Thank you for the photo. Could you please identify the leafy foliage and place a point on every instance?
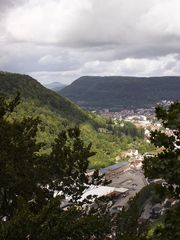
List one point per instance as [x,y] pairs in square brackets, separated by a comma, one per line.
[32,187]
[128,225]
[170,228]
[166,164]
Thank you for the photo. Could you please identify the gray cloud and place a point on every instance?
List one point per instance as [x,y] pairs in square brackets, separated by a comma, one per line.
[6,5]
[64,39]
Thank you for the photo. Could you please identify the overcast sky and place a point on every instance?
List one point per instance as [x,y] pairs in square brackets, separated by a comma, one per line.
[61,40]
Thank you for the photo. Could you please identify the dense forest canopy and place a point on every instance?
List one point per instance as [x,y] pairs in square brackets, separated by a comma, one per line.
[31,89]
[117,93]
[57,113]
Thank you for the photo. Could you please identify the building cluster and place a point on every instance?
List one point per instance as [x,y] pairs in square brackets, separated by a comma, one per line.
[127,179]
[127,176]
[125,113]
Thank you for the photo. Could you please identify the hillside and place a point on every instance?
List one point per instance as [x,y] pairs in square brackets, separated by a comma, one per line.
[30,88]
[58,113]
[122,92]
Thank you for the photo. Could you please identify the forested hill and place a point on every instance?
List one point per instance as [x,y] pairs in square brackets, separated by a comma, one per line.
[58,113]
[122,92]
[30,88]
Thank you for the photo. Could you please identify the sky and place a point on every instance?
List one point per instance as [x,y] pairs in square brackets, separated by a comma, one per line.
[61,40]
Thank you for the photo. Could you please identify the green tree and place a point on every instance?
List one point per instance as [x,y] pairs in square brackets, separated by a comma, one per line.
[128,225]
[170,229]
[32,187]
[166,164]
[19,166]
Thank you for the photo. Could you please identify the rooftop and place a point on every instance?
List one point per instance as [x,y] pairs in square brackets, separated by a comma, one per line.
[113,167]
[102,191]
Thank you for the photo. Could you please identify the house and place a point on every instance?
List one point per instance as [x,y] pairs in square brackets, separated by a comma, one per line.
[130,153]
[114,170]
[136,164]
[117,158]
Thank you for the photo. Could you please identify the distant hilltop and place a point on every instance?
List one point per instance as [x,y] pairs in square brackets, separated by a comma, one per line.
[55,86]
[118,92]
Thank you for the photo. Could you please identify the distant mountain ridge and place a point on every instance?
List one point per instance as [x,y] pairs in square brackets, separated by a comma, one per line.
[55,86]
[116,92]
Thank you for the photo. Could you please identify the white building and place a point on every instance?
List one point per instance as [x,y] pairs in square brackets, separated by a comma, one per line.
[99,191]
